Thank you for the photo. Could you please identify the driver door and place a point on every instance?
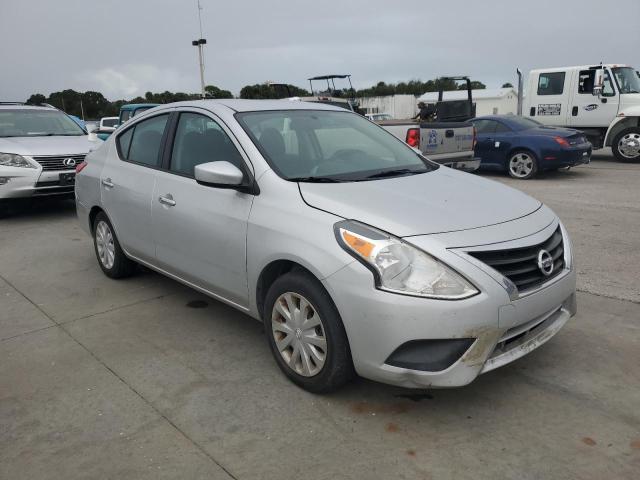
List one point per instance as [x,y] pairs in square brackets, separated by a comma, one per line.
[589,110]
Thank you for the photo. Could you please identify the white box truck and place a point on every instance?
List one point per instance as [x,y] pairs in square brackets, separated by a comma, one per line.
[603,101]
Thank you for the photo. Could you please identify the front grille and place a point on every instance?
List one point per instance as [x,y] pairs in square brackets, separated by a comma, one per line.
[57,162]
[520,265]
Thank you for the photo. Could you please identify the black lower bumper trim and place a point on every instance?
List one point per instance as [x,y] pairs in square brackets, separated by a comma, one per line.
[429,355]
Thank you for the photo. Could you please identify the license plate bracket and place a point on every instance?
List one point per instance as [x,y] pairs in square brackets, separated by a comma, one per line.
[66,179]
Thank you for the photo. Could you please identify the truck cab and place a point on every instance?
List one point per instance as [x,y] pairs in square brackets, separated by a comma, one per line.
[603,101]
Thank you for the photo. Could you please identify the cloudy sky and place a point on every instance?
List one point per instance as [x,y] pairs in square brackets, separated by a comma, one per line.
[127,47]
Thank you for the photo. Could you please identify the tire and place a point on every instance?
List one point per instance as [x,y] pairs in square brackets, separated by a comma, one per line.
[626,145]
[323,344]
[112,260]
[522,165]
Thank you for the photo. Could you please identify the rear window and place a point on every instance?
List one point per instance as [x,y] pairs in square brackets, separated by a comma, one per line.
[521,123]
[141,143]
[551,83]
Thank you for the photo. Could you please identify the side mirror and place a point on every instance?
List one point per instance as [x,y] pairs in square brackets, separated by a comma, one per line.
[219,174]
[598,82]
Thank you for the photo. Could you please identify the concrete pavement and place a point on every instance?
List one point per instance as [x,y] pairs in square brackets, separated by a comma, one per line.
[126,379]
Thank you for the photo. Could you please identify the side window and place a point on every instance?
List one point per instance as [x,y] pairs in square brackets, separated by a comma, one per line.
[586,81]
[124,142]
[146,141]
[199,139]
[551,83]
[126,115]
[501,128]
[485,126]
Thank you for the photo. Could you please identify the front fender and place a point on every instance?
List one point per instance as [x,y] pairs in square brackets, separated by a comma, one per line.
[628,117]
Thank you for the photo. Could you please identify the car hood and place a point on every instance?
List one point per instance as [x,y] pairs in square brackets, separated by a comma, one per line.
[41,146]
[443,200]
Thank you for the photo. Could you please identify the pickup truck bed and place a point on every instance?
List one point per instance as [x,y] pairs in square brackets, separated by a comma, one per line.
[447,143]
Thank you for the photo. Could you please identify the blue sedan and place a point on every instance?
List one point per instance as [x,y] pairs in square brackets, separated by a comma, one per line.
[524,147]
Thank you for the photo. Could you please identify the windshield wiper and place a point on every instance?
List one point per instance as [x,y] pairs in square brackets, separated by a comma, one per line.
[398,172]
[315,179]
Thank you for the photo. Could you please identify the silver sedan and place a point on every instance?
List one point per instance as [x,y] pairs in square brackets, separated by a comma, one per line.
[358,254]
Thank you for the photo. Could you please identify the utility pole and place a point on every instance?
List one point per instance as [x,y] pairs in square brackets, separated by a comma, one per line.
[200,44]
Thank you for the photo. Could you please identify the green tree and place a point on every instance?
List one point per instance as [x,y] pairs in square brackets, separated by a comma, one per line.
[268,91]
[507,85]
[475,85]
[211,91]
[36,99]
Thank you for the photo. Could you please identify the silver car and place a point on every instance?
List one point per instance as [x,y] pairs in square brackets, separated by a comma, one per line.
[358,254]
[40,147]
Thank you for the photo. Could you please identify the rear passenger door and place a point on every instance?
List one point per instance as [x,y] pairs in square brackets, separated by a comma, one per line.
[200,231]
[127,182]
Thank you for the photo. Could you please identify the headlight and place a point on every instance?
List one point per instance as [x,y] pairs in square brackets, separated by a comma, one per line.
[399,267]
[13,160]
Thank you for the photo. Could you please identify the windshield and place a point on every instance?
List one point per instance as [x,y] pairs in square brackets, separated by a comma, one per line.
[37,123]
[521,123]
[316,145]
[627,79]
[110,122]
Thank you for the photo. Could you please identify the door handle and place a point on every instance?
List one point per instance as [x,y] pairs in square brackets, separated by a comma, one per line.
[167,200]
[574,111]
[449,133]
[107,183]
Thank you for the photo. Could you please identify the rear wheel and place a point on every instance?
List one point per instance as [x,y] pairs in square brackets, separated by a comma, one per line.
[522,165]
[113,262]
[626,145]
[306,334]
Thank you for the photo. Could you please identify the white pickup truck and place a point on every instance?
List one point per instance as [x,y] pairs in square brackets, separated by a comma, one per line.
[602,101]
[449,140]
[451,144]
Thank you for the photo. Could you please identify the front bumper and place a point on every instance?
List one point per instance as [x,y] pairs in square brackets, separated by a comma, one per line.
[18,182]
[503,326]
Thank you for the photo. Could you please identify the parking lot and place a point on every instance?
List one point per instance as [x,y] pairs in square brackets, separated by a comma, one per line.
[145,378]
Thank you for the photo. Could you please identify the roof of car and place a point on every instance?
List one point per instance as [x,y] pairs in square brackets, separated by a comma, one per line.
[259,105]
[135,106]
[493,117]
[18,105]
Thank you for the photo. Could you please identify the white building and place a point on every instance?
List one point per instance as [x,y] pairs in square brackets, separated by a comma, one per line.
[489,101]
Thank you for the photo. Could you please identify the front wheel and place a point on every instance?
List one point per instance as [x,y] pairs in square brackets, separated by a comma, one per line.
[626,145]
[306,334]
[522,165]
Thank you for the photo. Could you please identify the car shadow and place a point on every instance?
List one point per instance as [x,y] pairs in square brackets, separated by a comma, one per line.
[36,208]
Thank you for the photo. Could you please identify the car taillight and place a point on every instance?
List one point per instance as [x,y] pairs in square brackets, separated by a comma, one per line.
[475,138]
[413,137]
[561,141]
[80,166]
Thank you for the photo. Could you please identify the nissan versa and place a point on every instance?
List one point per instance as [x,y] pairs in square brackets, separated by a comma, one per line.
[358,254]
